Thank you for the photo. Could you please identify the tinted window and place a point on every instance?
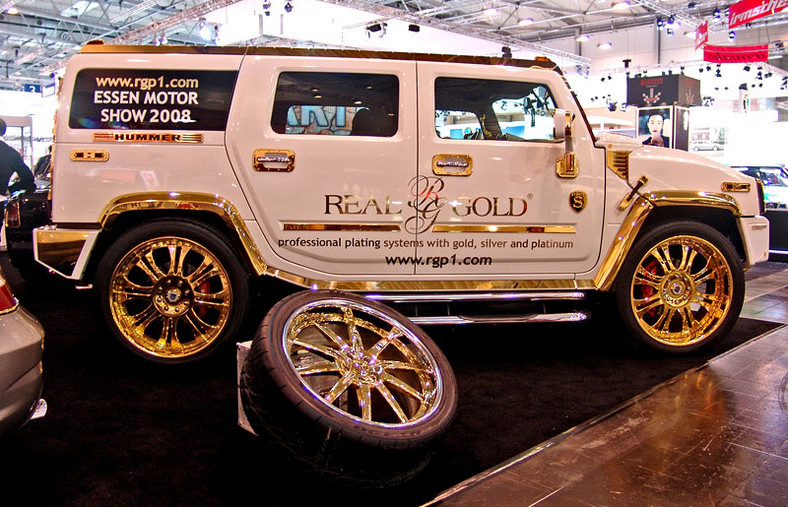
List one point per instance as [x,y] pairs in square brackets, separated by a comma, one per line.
[145,99]
[333,103]
[490,109]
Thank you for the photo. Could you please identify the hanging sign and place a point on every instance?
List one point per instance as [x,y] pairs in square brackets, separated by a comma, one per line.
[702,34]
[747,11]
[736,54]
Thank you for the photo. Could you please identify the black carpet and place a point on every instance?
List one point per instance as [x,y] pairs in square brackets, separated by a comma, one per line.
[122,432]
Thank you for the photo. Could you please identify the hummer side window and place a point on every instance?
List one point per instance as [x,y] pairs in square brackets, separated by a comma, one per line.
[491,109]
[336,103]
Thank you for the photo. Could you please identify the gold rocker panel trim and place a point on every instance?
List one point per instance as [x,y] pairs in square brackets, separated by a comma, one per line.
[190,201]
[637,216]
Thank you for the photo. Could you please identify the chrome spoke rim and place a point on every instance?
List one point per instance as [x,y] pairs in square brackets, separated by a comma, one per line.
[362,363]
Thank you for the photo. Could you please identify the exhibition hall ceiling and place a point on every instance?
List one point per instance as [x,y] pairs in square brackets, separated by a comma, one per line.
[38,36]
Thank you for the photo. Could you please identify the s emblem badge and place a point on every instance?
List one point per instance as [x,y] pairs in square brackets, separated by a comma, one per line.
[578,200]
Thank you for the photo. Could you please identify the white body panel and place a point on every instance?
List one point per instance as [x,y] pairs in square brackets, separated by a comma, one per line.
[348,206]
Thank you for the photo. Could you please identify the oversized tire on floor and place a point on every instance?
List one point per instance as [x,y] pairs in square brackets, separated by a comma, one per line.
[681,288]
[348,387]
[172,291]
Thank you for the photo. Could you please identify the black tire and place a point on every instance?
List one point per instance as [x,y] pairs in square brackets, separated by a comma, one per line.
[172,312]
[681,288]
[337,438]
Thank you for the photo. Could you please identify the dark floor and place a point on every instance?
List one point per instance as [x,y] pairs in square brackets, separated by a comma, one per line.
[119,432]
[715,435]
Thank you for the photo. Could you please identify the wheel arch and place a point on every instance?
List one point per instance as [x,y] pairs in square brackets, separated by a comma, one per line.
[718,211]
[128,211]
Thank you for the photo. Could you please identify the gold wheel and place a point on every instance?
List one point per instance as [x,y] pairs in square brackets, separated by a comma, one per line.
[682,290]
[362,363]
[170,297]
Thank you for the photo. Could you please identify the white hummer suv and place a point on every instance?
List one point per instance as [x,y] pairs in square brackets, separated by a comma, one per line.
[183,175]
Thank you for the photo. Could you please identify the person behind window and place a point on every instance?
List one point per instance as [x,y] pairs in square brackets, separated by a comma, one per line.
[655,138]
[11,162]
[42,165]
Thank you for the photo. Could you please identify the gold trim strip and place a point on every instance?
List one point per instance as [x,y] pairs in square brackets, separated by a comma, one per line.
[146,137]
[292,226]
[435,286]
[192,201]
[533,229]
[89,155]
[735,186]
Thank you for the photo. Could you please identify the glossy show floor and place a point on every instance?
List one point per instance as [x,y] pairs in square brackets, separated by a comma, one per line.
[715,435]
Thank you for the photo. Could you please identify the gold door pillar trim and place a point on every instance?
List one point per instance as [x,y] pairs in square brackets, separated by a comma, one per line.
[187,201]
[637,216]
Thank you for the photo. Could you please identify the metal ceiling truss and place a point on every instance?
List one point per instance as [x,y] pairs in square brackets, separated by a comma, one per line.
[40,35]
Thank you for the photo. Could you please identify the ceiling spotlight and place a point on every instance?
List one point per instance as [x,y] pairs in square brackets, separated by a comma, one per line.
[731,35]
[525,21]
[583,37]
[288,7]
[746,68]
[717,14]
[267,8]
[660,23]
[605,45]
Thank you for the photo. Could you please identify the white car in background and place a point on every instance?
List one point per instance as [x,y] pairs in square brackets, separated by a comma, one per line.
[21,350]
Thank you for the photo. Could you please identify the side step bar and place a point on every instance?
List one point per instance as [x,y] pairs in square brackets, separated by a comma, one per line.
[525,315]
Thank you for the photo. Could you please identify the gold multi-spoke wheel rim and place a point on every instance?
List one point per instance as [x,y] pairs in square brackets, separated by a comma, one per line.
[681,291]
[362,363]
[170,297]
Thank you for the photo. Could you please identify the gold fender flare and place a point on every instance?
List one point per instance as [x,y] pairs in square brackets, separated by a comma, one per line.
[636,217]
[187,201]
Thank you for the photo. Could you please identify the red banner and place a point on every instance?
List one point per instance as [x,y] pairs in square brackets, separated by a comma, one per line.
[702,34]
[749,10]
[736,54]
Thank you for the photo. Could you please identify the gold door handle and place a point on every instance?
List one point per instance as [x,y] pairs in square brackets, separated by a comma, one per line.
[273,160]
[452,165]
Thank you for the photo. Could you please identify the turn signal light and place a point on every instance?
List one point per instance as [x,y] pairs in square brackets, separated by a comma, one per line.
[7,299]
[12,218]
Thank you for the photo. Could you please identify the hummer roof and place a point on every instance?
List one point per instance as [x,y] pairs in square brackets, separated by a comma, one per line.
[100,47]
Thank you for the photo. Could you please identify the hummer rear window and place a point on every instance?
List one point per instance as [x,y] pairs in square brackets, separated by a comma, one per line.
[148,99]
[336,103]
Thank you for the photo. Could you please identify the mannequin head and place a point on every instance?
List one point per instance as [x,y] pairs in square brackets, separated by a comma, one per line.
[655,122]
